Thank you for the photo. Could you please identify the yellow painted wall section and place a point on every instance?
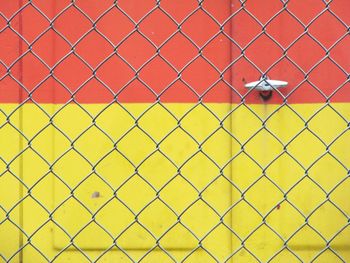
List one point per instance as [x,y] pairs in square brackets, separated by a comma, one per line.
[10,182]
[215,174]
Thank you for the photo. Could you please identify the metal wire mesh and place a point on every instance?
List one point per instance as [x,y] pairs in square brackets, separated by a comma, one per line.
[55,53]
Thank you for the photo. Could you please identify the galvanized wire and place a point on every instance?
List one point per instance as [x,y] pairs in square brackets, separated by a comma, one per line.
[27,142]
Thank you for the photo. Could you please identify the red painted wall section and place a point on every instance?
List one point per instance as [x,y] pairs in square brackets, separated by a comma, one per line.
[112,59]
[316,61]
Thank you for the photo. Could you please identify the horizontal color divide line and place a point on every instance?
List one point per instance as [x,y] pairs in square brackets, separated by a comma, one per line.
[8,95]
[50,91]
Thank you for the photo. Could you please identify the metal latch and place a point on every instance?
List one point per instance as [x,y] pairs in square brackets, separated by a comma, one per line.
[266,86]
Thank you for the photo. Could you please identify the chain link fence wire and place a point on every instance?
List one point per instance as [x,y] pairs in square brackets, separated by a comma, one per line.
[128,135]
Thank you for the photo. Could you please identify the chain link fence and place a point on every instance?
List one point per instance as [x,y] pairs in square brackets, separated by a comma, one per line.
[128,134]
